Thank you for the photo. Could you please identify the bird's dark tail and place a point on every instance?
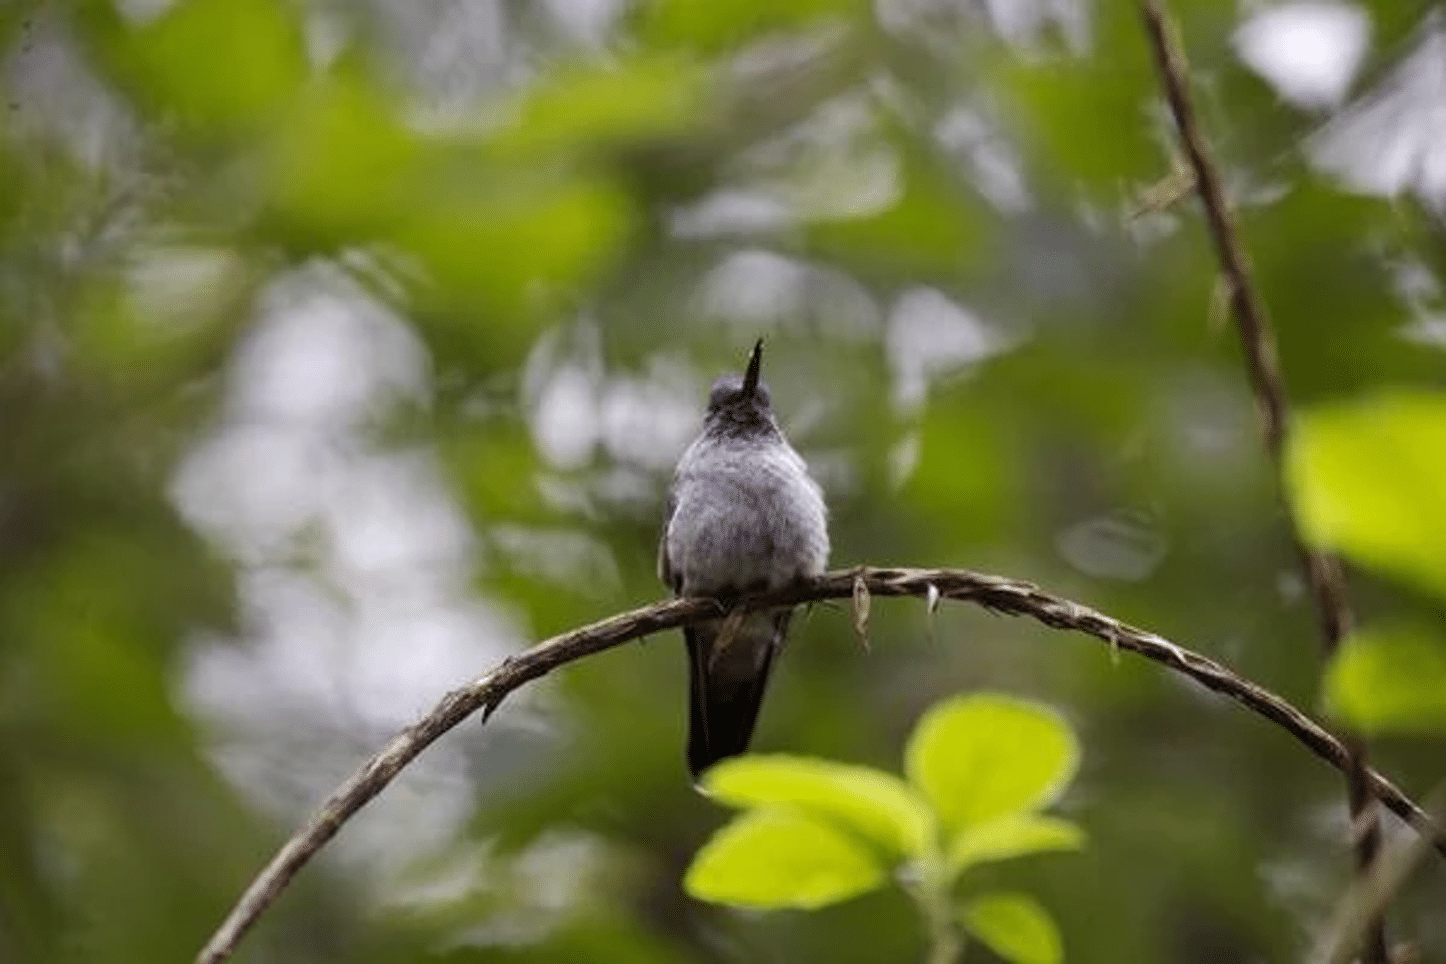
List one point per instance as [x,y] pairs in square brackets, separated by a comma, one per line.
[726,681]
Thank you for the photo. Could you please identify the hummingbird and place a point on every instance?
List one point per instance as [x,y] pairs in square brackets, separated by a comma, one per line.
[743,516]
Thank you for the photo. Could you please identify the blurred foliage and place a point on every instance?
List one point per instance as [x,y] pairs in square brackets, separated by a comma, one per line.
[546,227]
[1390,679]
[1366,479]
[1369,481]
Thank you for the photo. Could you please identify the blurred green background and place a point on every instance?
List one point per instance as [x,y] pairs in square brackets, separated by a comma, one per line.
[347,345]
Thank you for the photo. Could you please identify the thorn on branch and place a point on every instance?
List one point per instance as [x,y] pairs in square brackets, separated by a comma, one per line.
[862,605]
[931,608]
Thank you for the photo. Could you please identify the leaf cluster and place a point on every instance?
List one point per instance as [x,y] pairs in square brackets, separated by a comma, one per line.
[813,832]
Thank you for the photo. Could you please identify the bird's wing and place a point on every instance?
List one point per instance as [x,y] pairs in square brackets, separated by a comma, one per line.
[670,579]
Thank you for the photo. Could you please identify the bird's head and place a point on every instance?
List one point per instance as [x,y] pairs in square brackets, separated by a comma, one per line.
[742,403]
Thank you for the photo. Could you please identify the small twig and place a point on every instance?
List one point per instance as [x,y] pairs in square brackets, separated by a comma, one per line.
[1327,581]
[936,906]
[1255,331]
[1163,194]
[1370,894]
[995,593]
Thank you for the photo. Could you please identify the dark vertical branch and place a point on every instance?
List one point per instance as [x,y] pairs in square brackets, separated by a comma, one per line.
[1257,338]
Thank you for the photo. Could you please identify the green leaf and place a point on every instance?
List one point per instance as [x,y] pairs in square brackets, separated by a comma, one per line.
[721,25]
[863,800]
[342,165]
[221,63]
[1090,116]
[986,756]
[638,100]
[1012,837]
[775,859]
[1015,927]
[518,247]
[931,228]
[1369,479]
[1390,679]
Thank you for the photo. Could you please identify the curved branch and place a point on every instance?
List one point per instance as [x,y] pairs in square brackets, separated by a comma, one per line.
[1323,571]
[996,593]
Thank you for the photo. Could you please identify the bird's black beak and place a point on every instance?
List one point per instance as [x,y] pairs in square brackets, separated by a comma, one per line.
[755,361]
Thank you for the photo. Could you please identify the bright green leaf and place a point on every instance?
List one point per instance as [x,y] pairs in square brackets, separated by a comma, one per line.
[723,24]
[981,757]
[640,99]
[775,859]
[1390,679]
[220,63]
[1015,927]
[342,164]
[1012,836]
[521,248]
[866,801]
[1369,479]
